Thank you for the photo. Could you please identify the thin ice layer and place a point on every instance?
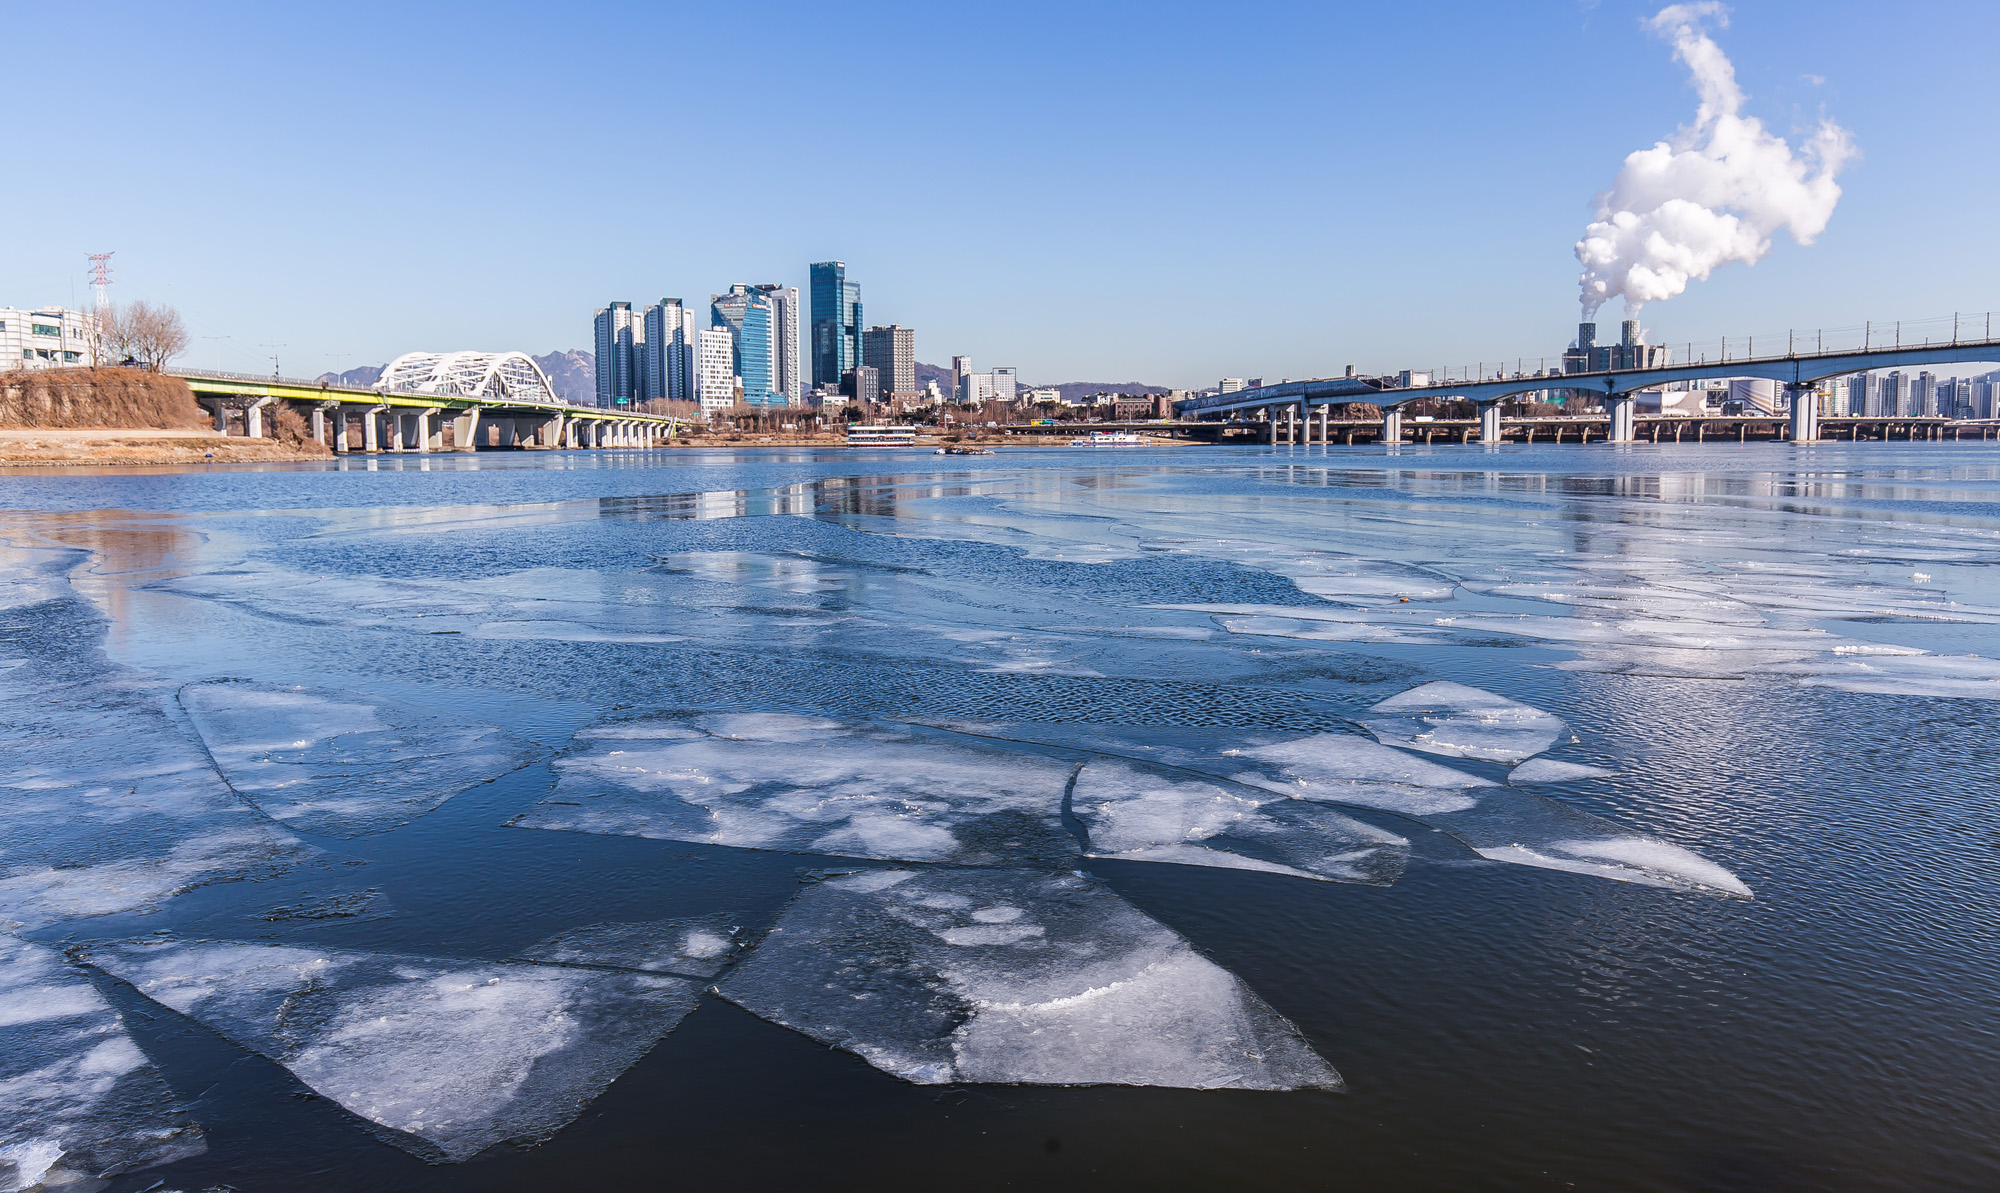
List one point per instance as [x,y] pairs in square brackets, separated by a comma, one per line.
[698,947]
[451,1057]
[812,785]
[1141,813]
[339,764]
[1014,977]
[78,1100]
[1548,770]
[105,804]
[1463,722]
[1499,822]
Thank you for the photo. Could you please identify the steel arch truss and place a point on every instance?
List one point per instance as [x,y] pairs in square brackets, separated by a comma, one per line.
[509,376]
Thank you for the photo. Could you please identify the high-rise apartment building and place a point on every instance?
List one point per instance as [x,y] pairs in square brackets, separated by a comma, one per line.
[1924,394]
[836,322]
[618,334]
[785,375]
[746,313]
[715,369]
[1895,395]
[669,352]
[892,352]
[961,368]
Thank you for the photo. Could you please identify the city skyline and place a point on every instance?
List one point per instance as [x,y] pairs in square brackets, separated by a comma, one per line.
[1411,226]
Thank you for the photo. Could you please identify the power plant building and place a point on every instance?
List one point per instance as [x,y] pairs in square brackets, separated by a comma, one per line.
[1630,352]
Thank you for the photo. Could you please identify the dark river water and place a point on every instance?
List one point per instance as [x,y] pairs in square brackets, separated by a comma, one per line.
[1066,818]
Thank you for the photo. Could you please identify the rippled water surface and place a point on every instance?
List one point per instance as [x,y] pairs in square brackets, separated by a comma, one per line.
[1112,818]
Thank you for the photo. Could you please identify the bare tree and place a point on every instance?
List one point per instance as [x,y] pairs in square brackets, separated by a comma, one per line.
[154,335]
[111,341]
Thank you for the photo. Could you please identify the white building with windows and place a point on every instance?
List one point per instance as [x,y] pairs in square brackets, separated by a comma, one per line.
[46,339]
[715,370]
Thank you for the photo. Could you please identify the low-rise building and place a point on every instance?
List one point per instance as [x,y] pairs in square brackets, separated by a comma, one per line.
[49,338]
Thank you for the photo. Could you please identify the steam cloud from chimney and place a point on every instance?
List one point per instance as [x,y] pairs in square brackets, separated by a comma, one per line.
[1714,194]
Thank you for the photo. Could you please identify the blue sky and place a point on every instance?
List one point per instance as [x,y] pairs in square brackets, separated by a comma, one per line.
[1164,192]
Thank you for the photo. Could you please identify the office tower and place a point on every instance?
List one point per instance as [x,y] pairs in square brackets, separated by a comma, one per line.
[961,368]
[715,369]
[1924,394]
[836,323]
[785,376]
[669,370]
[1003,383]
[1895,395]
[892,352]
[617,371]
[746,313]
[863,385]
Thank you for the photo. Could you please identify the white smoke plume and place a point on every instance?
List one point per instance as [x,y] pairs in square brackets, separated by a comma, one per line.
[1713,194]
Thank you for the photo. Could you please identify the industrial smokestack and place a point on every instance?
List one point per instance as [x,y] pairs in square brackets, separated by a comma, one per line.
[1628,335]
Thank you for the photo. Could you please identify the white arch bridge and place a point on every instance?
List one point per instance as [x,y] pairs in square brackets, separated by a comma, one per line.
[1798,372]
[431,401]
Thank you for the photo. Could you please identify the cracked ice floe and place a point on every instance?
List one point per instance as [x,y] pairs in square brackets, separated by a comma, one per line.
[812,785]
[697,947]
[1463,722]
[1548,770]
[78,1100]
[1499,822]
[1139,813]
[1011,977]
[339,764]
[107,805]
[450,1056]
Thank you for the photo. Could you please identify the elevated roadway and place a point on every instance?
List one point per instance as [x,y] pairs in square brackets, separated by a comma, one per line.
[1798,372]
[357,419]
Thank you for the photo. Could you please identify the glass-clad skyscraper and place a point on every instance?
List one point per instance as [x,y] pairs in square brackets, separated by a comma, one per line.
[747,315]
[836,322]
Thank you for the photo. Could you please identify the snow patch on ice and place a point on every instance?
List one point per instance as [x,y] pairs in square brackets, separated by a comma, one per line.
[1548,770]
[696,947]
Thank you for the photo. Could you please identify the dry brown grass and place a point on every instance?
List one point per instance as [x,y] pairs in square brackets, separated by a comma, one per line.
[97,398]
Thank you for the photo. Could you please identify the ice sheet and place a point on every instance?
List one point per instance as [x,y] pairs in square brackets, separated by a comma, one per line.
[78,1099]
[1548,770]
[1014,977]
[105,803]
[697,947]
[1140,813]
[812,785]
[1499,822]
[339,764]
[1463,722]
[451,1057]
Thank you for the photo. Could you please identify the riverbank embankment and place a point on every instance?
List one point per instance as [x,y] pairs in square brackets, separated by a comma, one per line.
[128,416]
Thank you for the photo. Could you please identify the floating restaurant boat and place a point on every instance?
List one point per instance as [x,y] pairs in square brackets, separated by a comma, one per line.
[1110,439]
[883,436]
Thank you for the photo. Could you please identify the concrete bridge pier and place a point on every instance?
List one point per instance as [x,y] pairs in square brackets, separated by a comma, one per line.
[319,423]
[371,429]
[1489,422]
[1805,412]
[1325,425]
[1291,426]
[341,443]
[253,418]
[465,429]
[1623,423]
[1392,425]
[433,424]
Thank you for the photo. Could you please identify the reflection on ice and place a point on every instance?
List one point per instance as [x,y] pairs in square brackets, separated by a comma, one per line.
[1014,977]
[78,1100]
[694,947]
[1139,813]
[451,1056]
[811,785]
[1461,722]
[339,764]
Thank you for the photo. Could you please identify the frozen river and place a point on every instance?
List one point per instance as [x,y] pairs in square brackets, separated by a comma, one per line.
[1113,818]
